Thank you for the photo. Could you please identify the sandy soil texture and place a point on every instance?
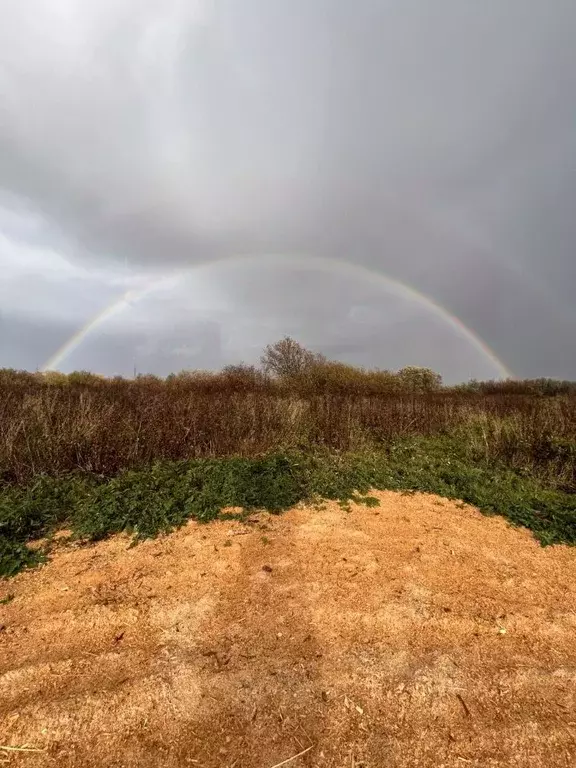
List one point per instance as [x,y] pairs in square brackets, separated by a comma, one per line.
[417,634]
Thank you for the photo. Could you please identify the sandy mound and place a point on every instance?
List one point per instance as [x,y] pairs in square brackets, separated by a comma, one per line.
[419,633]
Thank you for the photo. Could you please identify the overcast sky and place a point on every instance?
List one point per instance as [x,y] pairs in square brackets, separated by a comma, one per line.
[225,173]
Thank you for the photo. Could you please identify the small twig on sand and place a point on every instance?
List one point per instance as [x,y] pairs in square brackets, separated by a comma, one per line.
[285,762]
[22,749]
[464,705]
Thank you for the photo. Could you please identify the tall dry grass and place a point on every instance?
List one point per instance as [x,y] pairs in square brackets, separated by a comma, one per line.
[58,424]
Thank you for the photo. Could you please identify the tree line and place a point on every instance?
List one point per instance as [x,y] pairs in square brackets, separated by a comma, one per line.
[287,365]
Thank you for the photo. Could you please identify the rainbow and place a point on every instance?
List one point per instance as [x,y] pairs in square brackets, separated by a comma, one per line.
[307,263]
[124,302]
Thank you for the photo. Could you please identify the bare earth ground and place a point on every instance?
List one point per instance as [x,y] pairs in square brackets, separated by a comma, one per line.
[419,633]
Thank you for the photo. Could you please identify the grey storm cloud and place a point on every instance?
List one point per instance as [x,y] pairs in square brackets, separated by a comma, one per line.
[431,142]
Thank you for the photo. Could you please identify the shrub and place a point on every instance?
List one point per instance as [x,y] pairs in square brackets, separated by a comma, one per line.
[165,495]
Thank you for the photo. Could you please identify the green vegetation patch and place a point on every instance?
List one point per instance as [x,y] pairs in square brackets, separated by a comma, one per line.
[165,495]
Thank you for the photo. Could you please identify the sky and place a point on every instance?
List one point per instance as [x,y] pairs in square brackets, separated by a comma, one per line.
[391,183]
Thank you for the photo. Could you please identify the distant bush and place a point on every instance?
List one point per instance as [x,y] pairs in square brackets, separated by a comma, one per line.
[244,378]
[11,378]
[419,380]
[532,387]
[54,378]
[86,379]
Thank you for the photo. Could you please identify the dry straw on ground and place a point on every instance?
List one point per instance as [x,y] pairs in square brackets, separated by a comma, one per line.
[372,638]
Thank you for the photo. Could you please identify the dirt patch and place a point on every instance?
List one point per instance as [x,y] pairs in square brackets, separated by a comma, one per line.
[419,633]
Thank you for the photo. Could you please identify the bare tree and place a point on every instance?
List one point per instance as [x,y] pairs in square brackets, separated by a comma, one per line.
[287,358]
